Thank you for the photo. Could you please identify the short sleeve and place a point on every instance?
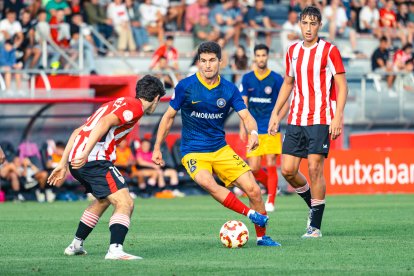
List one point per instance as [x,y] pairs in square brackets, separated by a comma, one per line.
[243,87]
[237,101]
[335,61]
[178,97]
[128,110]
[289,67]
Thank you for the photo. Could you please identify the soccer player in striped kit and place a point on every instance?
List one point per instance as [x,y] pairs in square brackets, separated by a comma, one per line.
[90,153]
[315,73]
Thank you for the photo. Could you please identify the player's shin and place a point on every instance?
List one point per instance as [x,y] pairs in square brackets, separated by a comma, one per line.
[318,207]
[119,225]
[305,193]
[87,222]
[260,231]
[272,184]
[233,203]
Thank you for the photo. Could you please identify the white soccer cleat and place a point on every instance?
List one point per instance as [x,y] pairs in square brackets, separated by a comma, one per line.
[116,252]
[270,207]
[312,233]
[72,250]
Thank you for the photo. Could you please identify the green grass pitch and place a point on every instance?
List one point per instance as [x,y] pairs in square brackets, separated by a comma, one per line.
[363,235]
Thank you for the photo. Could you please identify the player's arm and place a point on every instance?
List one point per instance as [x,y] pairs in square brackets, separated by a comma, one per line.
[335,129]
[243,132]
[59,173]
[281,107]
[163,130]
[101,128]
[251,126]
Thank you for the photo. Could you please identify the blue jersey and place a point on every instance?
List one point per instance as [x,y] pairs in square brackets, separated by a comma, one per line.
[204,109]
[262,92]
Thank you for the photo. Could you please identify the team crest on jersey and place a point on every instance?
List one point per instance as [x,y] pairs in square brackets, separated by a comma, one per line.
[127,114]
[268,90]
[221,102]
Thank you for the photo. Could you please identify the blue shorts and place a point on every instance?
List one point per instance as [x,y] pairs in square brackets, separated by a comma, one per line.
[101,178]
[300,141]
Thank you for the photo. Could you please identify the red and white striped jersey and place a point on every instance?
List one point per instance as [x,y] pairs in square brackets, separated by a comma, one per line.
[128,110]
[314,95]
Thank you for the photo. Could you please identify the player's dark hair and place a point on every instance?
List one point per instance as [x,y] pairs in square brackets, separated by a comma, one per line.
[261,47]
[312,12]
[148,88]
[209,47]
[407,46]
[383,39]
[169,37]
[60,144]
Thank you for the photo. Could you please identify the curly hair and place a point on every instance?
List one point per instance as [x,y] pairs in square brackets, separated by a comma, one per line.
[312,12]
[148,88]
[209,47]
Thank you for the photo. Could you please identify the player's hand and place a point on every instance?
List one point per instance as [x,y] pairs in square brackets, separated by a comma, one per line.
[79,162]
[253,142]
[57,176]
[274,123]
[335,129]
[157,157]
[2,156]
[243,134]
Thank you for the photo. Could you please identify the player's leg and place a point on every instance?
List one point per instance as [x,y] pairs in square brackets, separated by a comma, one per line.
[119,224]
[257,170]
[272,182]
[247,183]
[87,223]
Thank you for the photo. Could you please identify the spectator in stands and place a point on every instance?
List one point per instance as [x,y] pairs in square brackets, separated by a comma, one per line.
[170,12]
[12,5]
[144,160]
[11,29]
[34,8]
[29,46]
[401,57]
[2,156]
[117,12]
[226,21]
[96,16]
[299,5]
[140,33]
[10,172]
[193,14]
[9,62]
[88,49]
[388,23]
[43,33]
[54,5]
[258,18]
[168,51]
[369,19]
[166,75]
[380,62]
[152,19]
[60,33]
[291,32]
[402,22]
[411,15]
[335,21]
[225,67]
[239,62]
[204,31]
[408,79]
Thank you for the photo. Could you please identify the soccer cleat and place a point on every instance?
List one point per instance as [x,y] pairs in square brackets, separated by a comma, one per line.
[267,241]
[116,252]
[270,207]
[72,250]
[312,232]
[258,219]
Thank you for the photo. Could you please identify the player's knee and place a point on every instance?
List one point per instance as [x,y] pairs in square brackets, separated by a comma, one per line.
[288,173]
[255,169]
[253,192]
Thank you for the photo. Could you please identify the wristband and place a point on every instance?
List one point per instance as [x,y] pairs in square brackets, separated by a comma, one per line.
[254,132]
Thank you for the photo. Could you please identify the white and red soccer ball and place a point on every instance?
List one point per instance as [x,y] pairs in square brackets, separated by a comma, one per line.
[234,234]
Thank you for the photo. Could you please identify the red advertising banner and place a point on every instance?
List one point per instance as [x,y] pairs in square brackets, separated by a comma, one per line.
[368,171]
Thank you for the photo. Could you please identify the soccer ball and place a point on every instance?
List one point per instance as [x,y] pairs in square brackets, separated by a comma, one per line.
[234,234]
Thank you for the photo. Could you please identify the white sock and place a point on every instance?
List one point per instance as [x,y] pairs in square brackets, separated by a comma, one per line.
[116,247]
[251,211]
[259,238]
[77,242]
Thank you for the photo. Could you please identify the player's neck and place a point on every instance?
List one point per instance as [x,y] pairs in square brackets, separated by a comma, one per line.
[309,44]
[261,71]
[145,104]
[211,81]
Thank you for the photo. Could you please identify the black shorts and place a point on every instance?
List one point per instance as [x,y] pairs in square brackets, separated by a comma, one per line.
[300,141]
[101,178]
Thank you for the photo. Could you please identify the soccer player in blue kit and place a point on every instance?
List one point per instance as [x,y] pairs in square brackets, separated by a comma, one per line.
[260,89]
[205,100]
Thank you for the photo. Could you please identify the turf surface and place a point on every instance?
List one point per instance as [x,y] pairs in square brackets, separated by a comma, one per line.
[363,235]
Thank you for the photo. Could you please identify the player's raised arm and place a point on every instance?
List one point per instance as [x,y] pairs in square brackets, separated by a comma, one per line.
[59,173]
[163,130]
[335,129]
[251,126]
[280,106]
[101,128]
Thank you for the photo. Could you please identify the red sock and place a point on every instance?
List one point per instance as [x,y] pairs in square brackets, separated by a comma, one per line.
[261,176]
[260,231]
[272,184]
[233,203]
